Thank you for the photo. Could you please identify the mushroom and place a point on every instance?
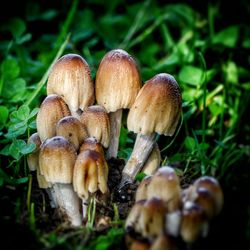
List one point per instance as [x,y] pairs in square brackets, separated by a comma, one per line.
[157,109]
[90,176]
[52,109]
[33,158]
[91,143]
[70,78]
[142,190]
[56,160]
[72,129]
[117,85]
[164,242]
[153,161]
[194,223]
[96,121]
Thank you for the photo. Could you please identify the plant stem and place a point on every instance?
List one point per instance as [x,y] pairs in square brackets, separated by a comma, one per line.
[29,193]
[115,128]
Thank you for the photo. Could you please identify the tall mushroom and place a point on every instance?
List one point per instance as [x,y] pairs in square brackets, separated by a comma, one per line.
[96,121]
[157,109]
[70,78]
[117,85]
[56,159]
[52,109]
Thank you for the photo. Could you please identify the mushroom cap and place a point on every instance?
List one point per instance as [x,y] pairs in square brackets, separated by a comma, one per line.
[153,161]
[42,183]
[70,78]
[90,174]
[56,160]
[194,224]
[157,107]
[142,190]
[96,120]
[91,143]
[52,109]
[165,185]
[118,81]
[72,129]
[164,242]
[33,158]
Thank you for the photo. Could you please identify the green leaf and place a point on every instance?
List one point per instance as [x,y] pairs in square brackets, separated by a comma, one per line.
[16,130]
[24,38]
[28,148]
[14,89]
[4,113]
[231,72]
[10,69]
[191,75]
[189,143]
[17,27]
[140,176]
[33,112]
[23,112]
[228,37]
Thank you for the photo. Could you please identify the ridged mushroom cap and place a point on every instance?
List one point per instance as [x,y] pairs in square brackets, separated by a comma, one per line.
[52,109]
[72,129]
[117,81]
[91,143]
[33,158]
[56,160]
[90,174]
[157,107]
[165,185]
[194,224]
[96,120]
[70,78]
[153,161]
[142,190]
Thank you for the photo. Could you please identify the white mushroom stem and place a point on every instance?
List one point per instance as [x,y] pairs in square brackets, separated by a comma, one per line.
[115,128]
[143,146]
[84,208]
[68,203]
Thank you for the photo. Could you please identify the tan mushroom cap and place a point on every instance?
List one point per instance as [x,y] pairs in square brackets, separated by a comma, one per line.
[96,120]
[164,242]
[142,190]
[72,129]
[157,107]
[33,158]
[70,78]
[153,161]
[52,109]
[42,183]
[117,81]
[56,160]
[165,185]
[91,143]
[90,174]
[138,245]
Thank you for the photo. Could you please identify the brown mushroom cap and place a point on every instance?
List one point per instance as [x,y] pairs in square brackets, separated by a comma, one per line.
[91,143]
[56,160]
[90,174]
[70,78]
[72,129]
[142,190]
[165,185]
[52,109]
[96,121]
[117,81]
[164,242]
[33,158]
[157,107]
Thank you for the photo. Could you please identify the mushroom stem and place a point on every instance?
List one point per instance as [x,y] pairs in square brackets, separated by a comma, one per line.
[143,146]
[115,128]
[68,203]
[84,208]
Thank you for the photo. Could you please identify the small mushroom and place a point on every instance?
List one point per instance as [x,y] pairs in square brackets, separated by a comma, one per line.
[70,78]
[91,143]
[33,158]
[90,176]
[142,190]
[72,129]
[157,109]
[117,85]
[96,121]
[56,160]
[52,109]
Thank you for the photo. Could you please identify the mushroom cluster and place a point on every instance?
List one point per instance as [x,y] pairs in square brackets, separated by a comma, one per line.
[164,214]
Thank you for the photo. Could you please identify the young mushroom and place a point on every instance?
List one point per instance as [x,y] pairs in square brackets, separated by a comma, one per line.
[70,78]
[96,121]
[56,160]
[90,176]
[52,109]
[157,109]
[91,143]
[117,85]
[72,129]
[33,158]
